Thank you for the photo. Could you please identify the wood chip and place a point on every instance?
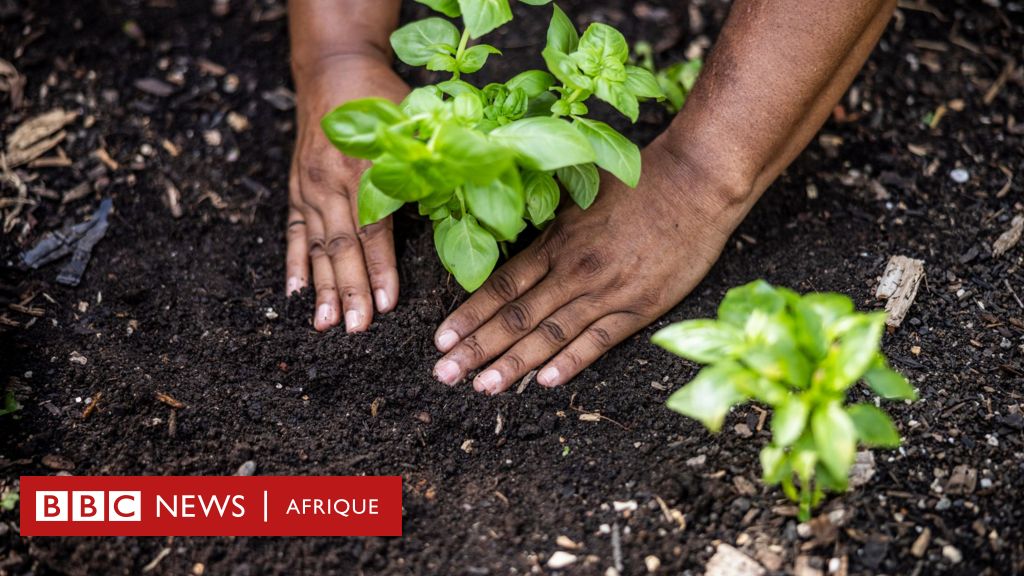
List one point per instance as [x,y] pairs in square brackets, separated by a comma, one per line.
[34,137]
[172,402]
[898,287]
[155,87]
[997,86]
[1010,238]
[920,545]
[102,155]
[172,198]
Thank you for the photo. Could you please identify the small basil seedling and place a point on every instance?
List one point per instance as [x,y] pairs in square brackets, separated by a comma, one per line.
[481,162]
[799,355]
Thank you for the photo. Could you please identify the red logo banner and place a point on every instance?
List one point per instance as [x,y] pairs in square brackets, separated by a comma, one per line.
[211,506]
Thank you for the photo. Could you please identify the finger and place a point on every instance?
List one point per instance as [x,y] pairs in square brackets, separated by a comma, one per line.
[595,340]
[379,249]
[550,336]
[506,284]
[327,305]
[297,254]
[512,321]
[346,255]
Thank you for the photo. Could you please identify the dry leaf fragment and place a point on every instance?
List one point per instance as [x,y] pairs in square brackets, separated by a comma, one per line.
[1010,238]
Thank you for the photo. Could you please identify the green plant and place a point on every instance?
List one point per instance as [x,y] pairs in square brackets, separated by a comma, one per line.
[480,162]
[799,355]
[676,81]
[10,404]
[9,499]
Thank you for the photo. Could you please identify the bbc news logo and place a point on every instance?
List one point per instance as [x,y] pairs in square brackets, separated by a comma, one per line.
[211,506]
[89,506]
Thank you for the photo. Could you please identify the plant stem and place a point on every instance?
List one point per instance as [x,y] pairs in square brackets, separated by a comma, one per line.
[462,200]
[575,94]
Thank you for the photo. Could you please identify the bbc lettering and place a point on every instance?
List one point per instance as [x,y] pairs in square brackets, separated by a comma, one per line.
[89,506]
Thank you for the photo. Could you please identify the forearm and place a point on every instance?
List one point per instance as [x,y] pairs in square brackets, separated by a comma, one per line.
[775,75]
[326,29]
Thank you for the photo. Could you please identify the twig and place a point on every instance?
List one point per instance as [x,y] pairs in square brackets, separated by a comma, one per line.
[1012,291]
[172,402]
[92,405]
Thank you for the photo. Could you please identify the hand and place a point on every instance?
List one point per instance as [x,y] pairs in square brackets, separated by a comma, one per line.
[323,224]
[593,278]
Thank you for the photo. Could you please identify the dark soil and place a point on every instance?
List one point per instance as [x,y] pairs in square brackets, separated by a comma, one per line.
[180,306]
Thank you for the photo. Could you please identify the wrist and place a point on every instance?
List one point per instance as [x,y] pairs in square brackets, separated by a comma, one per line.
[723,185]
[311,63]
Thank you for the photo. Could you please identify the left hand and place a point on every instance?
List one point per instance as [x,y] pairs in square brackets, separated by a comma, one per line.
[594,277]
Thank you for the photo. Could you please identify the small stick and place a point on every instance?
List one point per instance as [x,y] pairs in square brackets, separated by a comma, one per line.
[1012,291]
[92,405]
[172,402]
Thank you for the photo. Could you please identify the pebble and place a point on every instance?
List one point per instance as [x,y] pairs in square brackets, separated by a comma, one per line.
[697,461]
[77,358]
[653,563]
[271,314]
[561,559]
[248,468]
[959,175]
[943,504]
[952,553]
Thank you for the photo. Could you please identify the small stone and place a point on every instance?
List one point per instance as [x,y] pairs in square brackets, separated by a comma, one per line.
[728,561]
[986,483]
[212,137]
[623,506]
[198,568]
[566,542]
[271,314]
[959,175]
[231,83]
[238,122]
[697,461]
[952,553]
[248,468]
[425,417]
[920,545]
[561,559]
[943,504]
[653,563]
[467,446]
[743,430]
[57,462]
[77,358]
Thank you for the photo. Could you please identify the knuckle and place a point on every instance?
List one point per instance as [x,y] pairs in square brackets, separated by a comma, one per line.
[573,361]
[372,232]
[502,286]
[340,243]
[351,292]
[516,317]
[555,238]
[325,288]
[473,348]
[514,363]
[600,337]
[587,264]
[316,247]
[553,331]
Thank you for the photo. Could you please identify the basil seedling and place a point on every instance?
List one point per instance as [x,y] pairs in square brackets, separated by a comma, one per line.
[675,82]
[481,162]
[799,355]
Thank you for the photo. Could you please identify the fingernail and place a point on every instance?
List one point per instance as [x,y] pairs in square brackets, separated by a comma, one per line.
[489,381]
[323,314]
[383,302]
[353,320]
[447,371]
[548,376]
[294,285]
[446,340]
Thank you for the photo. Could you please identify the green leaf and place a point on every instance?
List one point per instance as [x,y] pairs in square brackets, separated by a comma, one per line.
[399,179]
[711,394]
[498,206]
[614,152]
[469,154]
[422,100]
[582,182]
[829,307]
[482,16]
[835,438]
[544,143]
[532,82]
[536,2]
[740,302]
[468,108]
[10,403]
[542,196]
[564,68]
[874,428]
[616,94]
[642,83]
[401,146]
[442,63]
[442,228]
[416,42]
[848,359]
[789,420]
[703,341]
[605,43]
[810,330]
[474,57]
[468,251]
[562,35]
[449,8]
[352,127]
[888,383]
[455,87]
[373,204]
[774,465]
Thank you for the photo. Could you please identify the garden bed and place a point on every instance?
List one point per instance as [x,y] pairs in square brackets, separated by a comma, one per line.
[192,307]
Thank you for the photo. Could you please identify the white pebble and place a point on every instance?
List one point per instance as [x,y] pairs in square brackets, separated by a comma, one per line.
[959,175]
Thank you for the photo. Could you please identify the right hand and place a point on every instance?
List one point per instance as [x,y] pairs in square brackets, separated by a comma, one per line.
[349,263]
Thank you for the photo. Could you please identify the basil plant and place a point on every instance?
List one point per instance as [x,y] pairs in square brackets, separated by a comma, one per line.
[481,162]
[676,81]
[799,355]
